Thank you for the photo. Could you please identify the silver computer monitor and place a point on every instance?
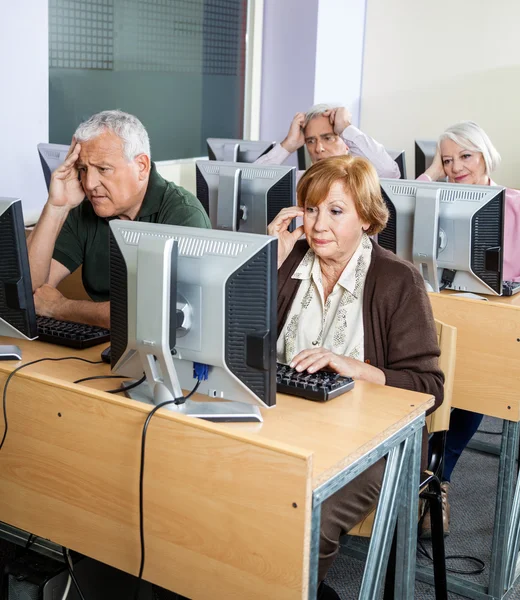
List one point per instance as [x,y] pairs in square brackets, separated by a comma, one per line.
[424,155]
[400,158]
[51,157]
[182,297]
[453,233]
[244,151]
[17,314]
[244,197]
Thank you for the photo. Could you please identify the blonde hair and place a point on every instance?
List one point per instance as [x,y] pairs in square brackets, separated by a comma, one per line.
[470,136]
[358,177]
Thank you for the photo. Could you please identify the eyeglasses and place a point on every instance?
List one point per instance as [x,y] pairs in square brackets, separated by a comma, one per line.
[327,139]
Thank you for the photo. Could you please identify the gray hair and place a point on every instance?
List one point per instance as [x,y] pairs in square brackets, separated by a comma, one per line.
[317,110]
[128,128]
[471,136]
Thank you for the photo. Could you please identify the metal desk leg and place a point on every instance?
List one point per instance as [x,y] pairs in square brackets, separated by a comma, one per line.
[403,449]
[384,522]
[315,550]
[506,529]
[502,547]
[513,541]
[407,524]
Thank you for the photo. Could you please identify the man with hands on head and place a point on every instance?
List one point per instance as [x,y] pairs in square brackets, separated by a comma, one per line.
[346,304]
[108,174]
[326,131]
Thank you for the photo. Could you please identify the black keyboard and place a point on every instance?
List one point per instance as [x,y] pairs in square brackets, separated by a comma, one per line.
[74,335]
[320,386]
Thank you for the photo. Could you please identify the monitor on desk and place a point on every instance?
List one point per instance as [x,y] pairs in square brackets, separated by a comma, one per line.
[453,233]
[244,197]
[51,157]
[181,297]
[400,158]
[244,151]
[304,160]
[424,155]
[17,314]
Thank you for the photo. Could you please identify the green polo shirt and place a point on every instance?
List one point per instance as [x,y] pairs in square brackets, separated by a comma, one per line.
[84,237]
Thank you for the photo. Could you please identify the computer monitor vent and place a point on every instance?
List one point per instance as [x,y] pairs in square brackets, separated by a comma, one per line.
[403,190]
[457,195]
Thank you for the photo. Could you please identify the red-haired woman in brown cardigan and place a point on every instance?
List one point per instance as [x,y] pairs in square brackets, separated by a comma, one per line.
[346,304]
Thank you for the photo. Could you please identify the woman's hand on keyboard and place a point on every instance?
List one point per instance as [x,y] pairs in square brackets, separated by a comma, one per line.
[314,359]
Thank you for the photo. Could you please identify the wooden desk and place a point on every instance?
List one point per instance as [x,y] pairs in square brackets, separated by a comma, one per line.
[488,352]
[487,380]
[233,508]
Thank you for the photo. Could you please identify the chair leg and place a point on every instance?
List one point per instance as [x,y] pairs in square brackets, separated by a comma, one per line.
[439,557]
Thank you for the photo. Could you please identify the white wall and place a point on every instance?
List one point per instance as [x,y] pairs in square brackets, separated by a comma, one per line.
[181,171]
[429,65]
[24,104]
[312,52]
[339,53]
[288,50]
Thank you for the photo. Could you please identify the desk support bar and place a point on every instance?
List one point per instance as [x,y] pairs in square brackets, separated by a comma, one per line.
[506,532]
[20,537]
[407,523]
[404,453]
[389,506]
[513,541]
[500,561]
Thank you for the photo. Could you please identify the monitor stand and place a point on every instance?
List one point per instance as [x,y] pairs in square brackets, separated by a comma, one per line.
[10,353]
[216,411]
[426,235]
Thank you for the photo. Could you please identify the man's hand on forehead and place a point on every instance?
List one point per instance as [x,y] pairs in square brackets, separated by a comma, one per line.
[340,118]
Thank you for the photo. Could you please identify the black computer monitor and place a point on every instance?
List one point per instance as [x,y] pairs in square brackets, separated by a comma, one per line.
[51,157]
[243,151]
[244,197]
[304,160]
[424,155]
[453,233]
[17,314]
[400,158]
[182,297]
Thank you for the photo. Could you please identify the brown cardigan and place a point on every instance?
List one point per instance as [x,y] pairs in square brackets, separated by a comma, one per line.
[400,336]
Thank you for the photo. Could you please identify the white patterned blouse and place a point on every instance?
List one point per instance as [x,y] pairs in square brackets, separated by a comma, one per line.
[336,324]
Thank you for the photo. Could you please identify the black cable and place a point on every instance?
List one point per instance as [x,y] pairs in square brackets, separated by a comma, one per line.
[128,387]
[117,390]
[33,362]
[141,479]
[92,377]
[71,572]
[30,541]
[480,569]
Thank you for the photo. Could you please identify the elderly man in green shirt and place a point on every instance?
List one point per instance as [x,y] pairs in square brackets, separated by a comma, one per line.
[108,174]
